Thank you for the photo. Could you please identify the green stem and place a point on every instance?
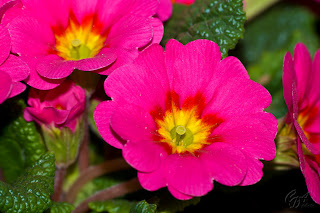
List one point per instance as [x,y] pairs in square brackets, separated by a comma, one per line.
[121,189]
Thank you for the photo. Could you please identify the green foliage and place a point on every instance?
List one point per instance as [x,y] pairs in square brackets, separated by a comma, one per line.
[61,207]
[280,28]
[20,145]
[221,21]
[30,193]
[144,207]
[113,206]
[266,41]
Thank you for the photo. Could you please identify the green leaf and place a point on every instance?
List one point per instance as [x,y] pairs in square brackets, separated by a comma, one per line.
[280,28]
[20,144]
[30,193]
[144,207]
[113,206]
[221,21]
[61,207]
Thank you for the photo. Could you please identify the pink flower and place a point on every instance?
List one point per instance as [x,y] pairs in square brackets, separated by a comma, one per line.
[12,69]
[59,107]
[302,96]
[184,118]
[165,8]
[57,36]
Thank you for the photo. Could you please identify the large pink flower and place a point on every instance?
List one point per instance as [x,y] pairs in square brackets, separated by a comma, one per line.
[184,118]
[12,69]
[165,8]
[57,36]
[62,106]
[302,95]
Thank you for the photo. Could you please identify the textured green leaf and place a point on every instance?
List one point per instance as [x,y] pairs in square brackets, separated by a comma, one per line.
[61,207]
[20,144]
[144,207]
[221,21]
[30,193]
[113,206]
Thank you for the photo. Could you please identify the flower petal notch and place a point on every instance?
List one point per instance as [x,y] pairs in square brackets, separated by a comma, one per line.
[300,89]
[178,117]
[96,36]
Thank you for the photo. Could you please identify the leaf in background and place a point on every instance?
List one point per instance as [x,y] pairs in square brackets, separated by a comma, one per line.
[268,38]
[221,21]
[61,207]
[144,207]
[172,205]
[279,28]
[20,144]
[30,193]
[113,206]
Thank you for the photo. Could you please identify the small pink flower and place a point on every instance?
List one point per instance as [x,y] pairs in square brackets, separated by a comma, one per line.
[56,37]
[59,107]
[184,118]
[12,69]
[165,8]
[301,92]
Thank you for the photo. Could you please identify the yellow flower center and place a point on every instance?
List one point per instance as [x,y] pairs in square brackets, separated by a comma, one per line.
[79,41]
[182,128]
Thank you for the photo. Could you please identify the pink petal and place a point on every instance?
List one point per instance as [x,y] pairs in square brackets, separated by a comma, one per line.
[193,67]
[248,133]
[130,32]
[102,115]
[165,10]
[254,171]
[83,8]
[132,123]
[16,68]
[303,68]
[17,88]
[314,97]
[311,173]
[48,115]
[188,175]
[236,97]
[5,43]
[46,11]
[54,67]
[145,156]
[5,86]
[35,80]
[178,194]
[123,56]
[4,6]
[30,37]
[158,30]
[153,181]
[305,140]
[228,69]
[112,10]
[140,85]
[226,164]
[288,78]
